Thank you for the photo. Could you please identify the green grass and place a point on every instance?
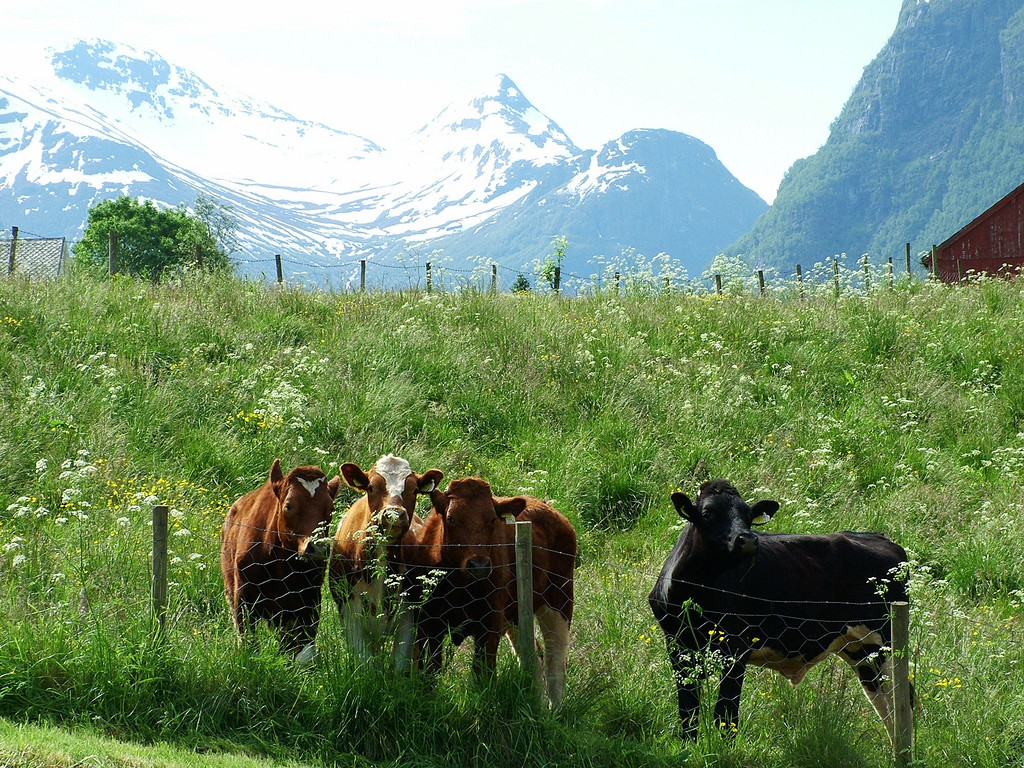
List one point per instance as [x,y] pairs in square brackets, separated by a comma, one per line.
[900,411]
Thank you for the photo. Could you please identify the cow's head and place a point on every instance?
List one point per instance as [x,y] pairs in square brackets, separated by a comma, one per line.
[391,488]
[472,517]
[305,503]
[723,518]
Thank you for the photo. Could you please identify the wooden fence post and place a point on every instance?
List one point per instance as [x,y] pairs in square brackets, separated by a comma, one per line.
[718,284]
[280,272]
[867,276]
[526,647]
[800,281]
[908,258]
[903,706]
[112,253]
[494,278]
[835,270]
[760,280]
[558,280]
[14,248]
[362,275]
[891,277]
[160,566]
[430,280]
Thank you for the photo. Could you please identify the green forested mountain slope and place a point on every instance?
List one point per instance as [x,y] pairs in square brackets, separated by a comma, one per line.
[931,136]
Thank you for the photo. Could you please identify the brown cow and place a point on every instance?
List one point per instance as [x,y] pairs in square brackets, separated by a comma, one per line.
[367,558]
[470,542]
[272,565]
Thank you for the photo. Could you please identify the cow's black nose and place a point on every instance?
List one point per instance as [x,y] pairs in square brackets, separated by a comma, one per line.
[746,544]
[478,567]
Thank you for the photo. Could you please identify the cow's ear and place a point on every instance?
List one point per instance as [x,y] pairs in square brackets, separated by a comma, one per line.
[684,507]
[509,509]
[430,480]
[276,477]
[439,502]
[355,477]
[763,511]
[333,485]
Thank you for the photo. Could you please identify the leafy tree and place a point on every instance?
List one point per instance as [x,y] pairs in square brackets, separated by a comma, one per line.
[151,241]
[219,221]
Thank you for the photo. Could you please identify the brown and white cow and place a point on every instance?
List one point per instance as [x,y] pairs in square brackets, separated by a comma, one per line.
[270,557]
[466,555]
[368,561]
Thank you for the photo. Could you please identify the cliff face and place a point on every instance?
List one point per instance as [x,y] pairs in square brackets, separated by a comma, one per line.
[932,135]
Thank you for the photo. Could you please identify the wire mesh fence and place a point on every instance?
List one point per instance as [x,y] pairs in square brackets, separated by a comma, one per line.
[35,257]
[74,566]
[632,273]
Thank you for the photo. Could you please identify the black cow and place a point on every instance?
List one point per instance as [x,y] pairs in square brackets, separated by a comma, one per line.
[731,596]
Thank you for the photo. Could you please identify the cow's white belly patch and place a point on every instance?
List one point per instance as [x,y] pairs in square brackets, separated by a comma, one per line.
[795,667]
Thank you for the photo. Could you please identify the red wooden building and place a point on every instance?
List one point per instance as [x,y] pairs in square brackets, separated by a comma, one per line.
[992,243]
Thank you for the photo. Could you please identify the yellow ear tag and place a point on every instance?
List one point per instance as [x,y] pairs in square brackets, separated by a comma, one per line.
[760,520]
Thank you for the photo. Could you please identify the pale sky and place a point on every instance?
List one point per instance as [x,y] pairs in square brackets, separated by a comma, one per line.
[758,81]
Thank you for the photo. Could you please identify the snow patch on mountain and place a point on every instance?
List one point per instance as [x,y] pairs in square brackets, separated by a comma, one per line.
[490,176]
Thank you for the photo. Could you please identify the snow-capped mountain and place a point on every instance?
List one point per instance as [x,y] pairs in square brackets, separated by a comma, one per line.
[490,178]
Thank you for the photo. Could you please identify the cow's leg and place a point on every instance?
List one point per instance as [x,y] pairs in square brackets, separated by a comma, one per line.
[485,652]
[554,629]
[354,626]
[688,675]
[239,616]
[405,637]
[727,708]
[244,617]
[360,608]
[874,670]
[512,631]
[299,638]
[431,651]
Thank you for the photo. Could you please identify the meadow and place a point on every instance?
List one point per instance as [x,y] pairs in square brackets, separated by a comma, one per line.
[898,410]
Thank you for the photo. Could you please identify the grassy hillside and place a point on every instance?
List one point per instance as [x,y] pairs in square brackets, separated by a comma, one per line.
[901,411]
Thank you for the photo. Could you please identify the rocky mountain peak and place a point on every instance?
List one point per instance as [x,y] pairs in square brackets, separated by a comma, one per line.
[491,177]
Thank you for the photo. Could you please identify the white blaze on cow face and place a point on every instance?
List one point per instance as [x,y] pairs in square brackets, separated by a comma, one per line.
[310,485]
[395,471]
[307,513]
[393,516]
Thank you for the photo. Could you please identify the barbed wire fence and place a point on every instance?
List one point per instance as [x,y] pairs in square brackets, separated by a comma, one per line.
[631,274]
[610,276]
[44,257]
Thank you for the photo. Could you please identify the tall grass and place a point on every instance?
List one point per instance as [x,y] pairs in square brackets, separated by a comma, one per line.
[899,411]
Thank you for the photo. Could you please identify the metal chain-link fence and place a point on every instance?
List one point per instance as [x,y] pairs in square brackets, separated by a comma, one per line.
[37,257]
